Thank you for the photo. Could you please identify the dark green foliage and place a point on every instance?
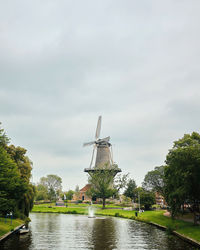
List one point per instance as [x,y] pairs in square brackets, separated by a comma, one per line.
[4,140]
[16,191]
[24,165]
[130,190]
[102,184]
[154,180]
[11,185]
[120,181]
[147,198]
[182,175]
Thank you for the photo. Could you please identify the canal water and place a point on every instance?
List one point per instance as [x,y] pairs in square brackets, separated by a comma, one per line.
[61,231]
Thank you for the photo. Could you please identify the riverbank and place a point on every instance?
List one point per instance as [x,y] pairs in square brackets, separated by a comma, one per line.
[7,227]
[185,229]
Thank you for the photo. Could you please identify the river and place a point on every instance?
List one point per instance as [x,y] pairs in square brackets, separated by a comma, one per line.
[61,231]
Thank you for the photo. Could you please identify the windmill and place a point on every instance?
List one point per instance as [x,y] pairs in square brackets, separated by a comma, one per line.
[102,148]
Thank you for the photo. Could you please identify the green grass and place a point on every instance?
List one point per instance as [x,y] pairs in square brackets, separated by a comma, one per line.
[182,227]
[7,227]
[157,217]
[65,210]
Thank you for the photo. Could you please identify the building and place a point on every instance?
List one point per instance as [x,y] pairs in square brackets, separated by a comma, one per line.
[160,200]
[82,194]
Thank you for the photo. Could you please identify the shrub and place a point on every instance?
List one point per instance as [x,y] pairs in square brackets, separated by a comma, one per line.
[27,220]
[170,228]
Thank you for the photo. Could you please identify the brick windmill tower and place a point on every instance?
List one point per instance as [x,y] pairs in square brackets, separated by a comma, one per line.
[102,149]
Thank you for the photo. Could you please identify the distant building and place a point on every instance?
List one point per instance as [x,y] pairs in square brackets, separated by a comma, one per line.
[82,194]
[160,200]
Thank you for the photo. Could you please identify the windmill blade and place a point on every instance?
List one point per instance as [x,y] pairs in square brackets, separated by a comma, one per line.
[98,128]
[111,154]
[104,139]
[88,143]
[92,155]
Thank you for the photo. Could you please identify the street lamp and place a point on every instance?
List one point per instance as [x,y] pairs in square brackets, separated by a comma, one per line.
[139,201]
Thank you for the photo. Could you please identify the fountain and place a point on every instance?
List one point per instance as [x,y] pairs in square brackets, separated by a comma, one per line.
[91,211]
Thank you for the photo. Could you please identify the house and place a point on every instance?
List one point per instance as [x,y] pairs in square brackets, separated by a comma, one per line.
[160,200]
[82,194]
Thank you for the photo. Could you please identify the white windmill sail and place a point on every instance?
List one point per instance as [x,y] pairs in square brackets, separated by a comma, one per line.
[102,149]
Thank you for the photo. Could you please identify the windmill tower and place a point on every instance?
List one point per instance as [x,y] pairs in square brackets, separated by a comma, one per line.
[102,148]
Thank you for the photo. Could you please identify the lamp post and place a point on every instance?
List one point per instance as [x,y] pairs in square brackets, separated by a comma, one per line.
[139,201]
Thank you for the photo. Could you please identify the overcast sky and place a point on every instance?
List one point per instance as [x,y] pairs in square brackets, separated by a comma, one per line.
[64,63]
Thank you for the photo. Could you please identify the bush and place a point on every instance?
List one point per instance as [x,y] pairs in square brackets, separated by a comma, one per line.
[27,220]
[79,201]
[117,215]
[18,214]
[170,228]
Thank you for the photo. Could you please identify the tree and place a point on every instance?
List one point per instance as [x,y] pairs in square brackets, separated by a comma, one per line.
[120,181]
[11,186]
[18,155]
[102,184]
[147,198]
[69,194]
[16,191]
[41,192]
[154,180]
[4,140]
[130,190]
[53,185]
[182,174]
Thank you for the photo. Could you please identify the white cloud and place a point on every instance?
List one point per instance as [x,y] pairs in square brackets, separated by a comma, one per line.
[63,64]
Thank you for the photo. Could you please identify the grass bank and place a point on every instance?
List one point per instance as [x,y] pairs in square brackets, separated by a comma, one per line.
[7,227]
[185,228]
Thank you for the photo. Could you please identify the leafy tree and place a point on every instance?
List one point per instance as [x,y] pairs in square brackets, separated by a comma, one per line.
[130,190]
[18,155]
[182,175]
[147,198]
[120,181]
[4,140]
[102,184]
[11,186]
[69,194]
[16,191]
[41,192]
[154,180]
[53,183]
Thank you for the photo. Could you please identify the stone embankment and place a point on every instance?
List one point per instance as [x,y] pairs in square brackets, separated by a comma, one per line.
[5,236]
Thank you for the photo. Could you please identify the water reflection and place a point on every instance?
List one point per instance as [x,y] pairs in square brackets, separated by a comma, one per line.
[60,231]
[104,234]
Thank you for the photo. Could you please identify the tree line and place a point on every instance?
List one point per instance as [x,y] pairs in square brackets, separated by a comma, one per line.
[179,180]
[16,190]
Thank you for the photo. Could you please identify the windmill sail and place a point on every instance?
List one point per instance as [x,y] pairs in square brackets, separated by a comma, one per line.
[102,147]
[98,130]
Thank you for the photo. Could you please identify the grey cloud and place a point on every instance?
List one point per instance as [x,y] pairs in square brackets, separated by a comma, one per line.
[63,63]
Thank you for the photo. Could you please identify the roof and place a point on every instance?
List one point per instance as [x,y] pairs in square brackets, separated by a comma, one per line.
[86,188]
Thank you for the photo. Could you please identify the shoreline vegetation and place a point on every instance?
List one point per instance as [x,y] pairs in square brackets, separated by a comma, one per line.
[177,226]
[8,227]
